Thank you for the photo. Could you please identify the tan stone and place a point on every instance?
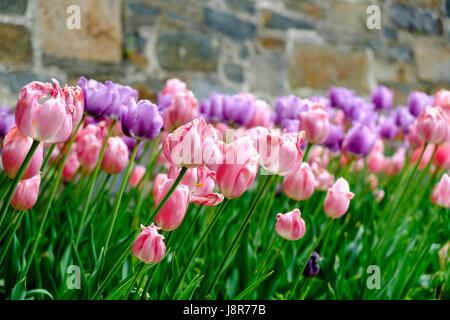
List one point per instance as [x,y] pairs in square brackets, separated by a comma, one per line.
[349,13]
[15,46]
[320,66]
[432,61]
[395,72]
[98,40]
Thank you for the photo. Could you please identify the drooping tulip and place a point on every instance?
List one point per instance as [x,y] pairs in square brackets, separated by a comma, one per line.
[300,185]
[141,120]
[26,193]
[136,175]
[149,245]
[290,225]
[238,170]
[183,109]
[338,199]
[174,209]
[432,126]
[441,192]
[15,149]
[315,122]
[116,156]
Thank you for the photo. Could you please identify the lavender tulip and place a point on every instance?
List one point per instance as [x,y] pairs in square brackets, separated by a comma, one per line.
[97,97]
[382,98]
[388,129]
[291,125]
[163,101]
[339,96]
[141,120]
[360,139]
[288,107]
[335,138]
[7,121]
[122,97]
[417,101]
[237,109]
[403,118]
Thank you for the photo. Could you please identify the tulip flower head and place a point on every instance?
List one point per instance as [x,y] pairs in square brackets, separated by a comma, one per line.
[116,156]
[26,193]
[432,126]
[315,123]
[136,175]
[441,192]
[290,225]
[338,199]
[149,245]
[300,186]
[141,120]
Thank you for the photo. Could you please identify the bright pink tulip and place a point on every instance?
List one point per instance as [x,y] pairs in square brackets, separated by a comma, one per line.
[280,154]
[315,122]
[442,157]
[192,145]
[300,185]
[290,225]
[239,169]
[173,211]
[338,199]
[136,175]
[173,86]
[324,179]
[261,116]
[183,109]
[432,125]
[441,192]
[71,166]
[51,121]
[189,179]
[159,180]
[116,156]
[149,245]
[15,149]
[26,193]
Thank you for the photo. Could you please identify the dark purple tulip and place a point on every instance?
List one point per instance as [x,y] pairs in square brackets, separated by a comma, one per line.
[122,97]
[339,96]
[131,143]
[335,138]
[97,96]
[388,129]
[360,140]
[290,125]
[288,107]
[141,120]
[312,266]
[417,101]
[238,110]
[403,118]
[163,101]
[382,98]
[7,121]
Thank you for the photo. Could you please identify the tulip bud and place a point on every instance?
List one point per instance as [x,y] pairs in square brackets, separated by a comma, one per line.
[441,192]
[375,162]
[15,149]
[338,199]
[300,185]
[136,175]
[26,193]
[149,245]
[116,156]
[173,211]
[290,225]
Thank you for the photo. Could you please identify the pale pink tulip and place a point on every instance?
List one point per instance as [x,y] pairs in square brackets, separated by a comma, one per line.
[183,109]
[300,185]
[441,192]
[136,175]
[432,126]
[324,179]
[71,166]
[26,193]
[159,180]
[149,245]
[189,179]
[315,122]
[173,86]
[290,225]
[116,156]
[261,116]
[338,199]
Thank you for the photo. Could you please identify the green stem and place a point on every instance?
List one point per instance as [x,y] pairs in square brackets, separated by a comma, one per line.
[120,194]
[11,234]
[238,235]
[91,185]
[47,157]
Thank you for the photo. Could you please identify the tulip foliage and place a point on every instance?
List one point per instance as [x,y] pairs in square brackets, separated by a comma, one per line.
[105,196]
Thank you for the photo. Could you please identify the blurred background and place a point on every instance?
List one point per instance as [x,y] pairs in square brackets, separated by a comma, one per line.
[270,48]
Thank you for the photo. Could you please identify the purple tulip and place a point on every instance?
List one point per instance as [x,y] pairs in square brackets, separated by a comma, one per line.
[382,98]
[288,107]
[291,125]
[122,97]
[388,129]
[335,138]
[7,121]
[356,108]
[417,101]
[403,118]
[141,120]
[212,109]
[238,110]
[360,139]
[312,266]
[97,96]
[131,143]
[339,96]
[163,101]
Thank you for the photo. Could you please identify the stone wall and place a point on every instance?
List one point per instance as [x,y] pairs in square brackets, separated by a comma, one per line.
[268,47]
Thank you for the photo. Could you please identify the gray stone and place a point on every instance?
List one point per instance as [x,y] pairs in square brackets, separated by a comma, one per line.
[187,51]
[433,62]
[278,21]
[228,24]
[142,9]
[415,19]
[447,8]
[202,88]
[267,74]
[244,5]
[390,33]
[17,80]
[13,7]
[234,72]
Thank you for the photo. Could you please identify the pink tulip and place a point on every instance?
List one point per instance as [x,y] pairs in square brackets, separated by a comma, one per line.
[300,185]
[324,179]
[26,193]
[442,99]
[280,153]
[432,126]
[136,175]
[315,122]
[290,225]
[399,159]
[74,103]
[52,121]
[338,199]
[15,149]
[441,192]
[192,145]
[173,211]
[442,157]
[149,245]
[116,156]
[413,137]
[239,169]
[425,158]
[261,116]
[375,162]
[203,191]
[159,180]
[71,166]
[88,146]
[183,109]
[319,155]
[189,179]
[173,86]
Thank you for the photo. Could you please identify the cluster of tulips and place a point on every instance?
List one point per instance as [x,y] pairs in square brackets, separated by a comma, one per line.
[180,154]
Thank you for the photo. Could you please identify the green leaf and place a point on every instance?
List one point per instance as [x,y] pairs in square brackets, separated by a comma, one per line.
[254,285]
[40,291]
[19,291]
[190,289]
